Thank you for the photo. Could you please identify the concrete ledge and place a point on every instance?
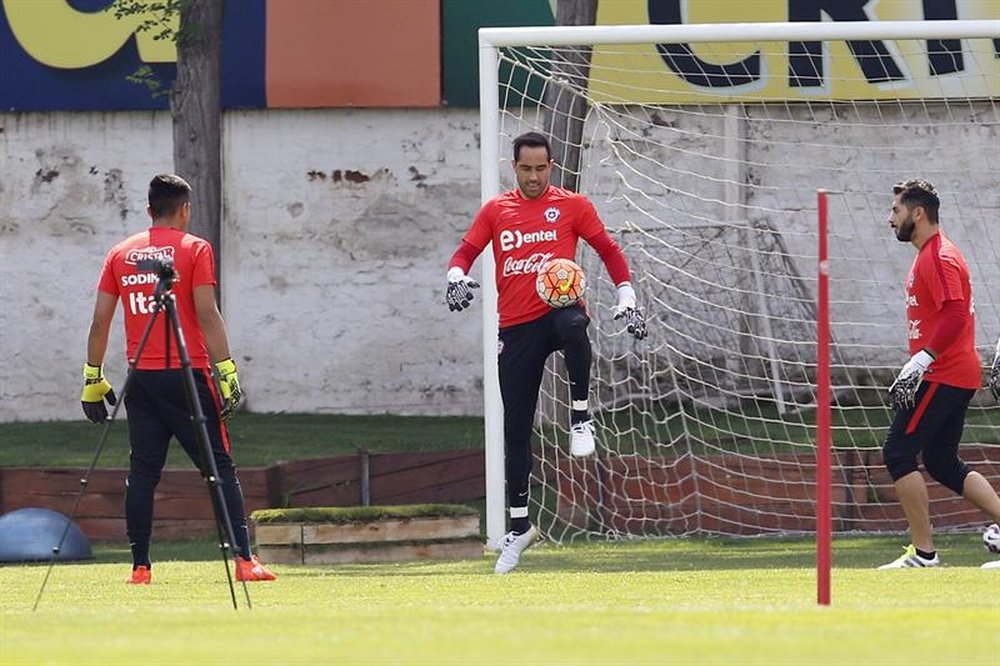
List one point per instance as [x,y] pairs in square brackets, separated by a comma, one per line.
[367,534]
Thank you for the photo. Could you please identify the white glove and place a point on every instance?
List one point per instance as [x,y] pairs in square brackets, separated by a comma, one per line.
[903,392]
[635,321]
[460,287]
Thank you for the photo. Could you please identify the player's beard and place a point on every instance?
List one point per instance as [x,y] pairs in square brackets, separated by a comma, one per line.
[904,232]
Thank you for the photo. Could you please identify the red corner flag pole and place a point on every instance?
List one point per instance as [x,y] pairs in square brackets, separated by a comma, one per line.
[823,509]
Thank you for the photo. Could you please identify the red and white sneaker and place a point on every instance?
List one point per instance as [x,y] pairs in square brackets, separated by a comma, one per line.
[140,576]
[251,570]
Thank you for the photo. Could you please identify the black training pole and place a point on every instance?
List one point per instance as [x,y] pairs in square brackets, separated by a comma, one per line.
[209,470]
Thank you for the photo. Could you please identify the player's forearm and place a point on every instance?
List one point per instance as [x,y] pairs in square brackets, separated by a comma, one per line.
[213,327]
[100,325]
[97,342]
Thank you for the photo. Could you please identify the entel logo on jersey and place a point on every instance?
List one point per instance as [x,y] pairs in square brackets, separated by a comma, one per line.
[152,252]
[511,240]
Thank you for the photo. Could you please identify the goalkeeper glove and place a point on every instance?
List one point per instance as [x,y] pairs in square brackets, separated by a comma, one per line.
[994,383]
[460,288]
[635,321]
[903,392]
[96,389]
[229,386]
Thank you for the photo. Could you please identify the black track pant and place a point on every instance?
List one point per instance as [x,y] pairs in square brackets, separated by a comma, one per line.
[523,350]
[158,410]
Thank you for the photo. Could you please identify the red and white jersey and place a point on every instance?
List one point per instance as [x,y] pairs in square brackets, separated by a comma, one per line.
[939,274]
[194,262]
[525,234]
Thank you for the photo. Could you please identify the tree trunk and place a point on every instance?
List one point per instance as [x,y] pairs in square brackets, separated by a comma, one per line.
[567,107]
[197,116]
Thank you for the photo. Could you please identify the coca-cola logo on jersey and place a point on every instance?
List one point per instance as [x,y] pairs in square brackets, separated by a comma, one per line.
[532,264]
[511,240]
[133,257]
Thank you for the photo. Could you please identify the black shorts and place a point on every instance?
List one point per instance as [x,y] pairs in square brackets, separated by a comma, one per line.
[933,429]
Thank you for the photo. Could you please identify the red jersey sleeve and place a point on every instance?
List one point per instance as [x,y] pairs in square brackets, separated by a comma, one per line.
[464,256]
[954,317]
[612,256]
[589,227]
[943,279]
[480,233]
[202,264]
[587,224]
[107,282]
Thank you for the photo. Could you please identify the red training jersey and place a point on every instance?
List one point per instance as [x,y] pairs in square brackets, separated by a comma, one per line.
[525,234]
[939,274]
[194,262]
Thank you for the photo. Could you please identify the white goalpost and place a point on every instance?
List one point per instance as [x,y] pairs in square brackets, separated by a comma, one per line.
[703,147]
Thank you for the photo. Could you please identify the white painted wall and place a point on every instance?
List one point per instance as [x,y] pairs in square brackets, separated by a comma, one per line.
[338,228]
[339,224]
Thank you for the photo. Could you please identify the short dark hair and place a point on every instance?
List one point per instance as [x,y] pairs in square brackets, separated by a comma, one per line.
[531,140]
[167,193]
[919,192]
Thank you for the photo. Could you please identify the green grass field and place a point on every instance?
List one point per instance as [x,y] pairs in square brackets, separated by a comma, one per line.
[699,601]
[258,439]
[263,439]
[704,601]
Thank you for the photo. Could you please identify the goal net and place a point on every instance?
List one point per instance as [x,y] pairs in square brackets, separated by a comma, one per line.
[703,149]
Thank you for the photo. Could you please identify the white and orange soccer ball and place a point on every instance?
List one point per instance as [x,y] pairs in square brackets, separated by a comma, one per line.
[560,282]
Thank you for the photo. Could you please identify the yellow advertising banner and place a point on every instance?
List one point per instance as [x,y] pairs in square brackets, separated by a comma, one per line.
[794,71]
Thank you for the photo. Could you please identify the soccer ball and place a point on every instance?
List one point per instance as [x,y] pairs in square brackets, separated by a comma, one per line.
[991,539]
[560,282]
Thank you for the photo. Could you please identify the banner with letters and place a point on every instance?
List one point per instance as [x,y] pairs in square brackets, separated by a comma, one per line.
[795,71]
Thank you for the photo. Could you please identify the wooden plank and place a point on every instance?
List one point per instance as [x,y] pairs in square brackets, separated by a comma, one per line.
[300,475]
[383,531]
[432,478]
[400,552]
[283,554]
[279,533]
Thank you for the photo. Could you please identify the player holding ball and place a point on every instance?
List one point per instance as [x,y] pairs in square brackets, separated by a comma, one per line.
[529,226]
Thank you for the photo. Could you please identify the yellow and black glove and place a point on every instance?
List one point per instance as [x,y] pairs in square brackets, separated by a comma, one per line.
[96,389]
[229,386]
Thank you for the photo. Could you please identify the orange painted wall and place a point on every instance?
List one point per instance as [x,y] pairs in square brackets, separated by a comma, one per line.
[364,53]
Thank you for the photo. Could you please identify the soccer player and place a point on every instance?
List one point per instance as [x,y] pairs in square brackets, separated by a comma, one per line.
[933,389]
[156,400]
[528,226]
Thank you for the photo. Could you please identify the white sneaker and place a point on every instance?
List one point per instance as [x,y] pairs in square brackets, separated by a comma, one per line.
[910,560]
[995,564]
[581,441]
[511,547]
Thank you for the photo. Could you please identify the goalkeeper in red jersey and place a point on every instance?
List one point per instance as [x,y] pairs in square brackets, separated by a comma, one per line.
[932,392]
[157,400]
[528,226]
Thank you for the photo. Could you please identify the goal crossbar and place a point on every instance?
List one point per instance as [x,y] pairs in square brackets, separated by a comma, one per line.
[736,32]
